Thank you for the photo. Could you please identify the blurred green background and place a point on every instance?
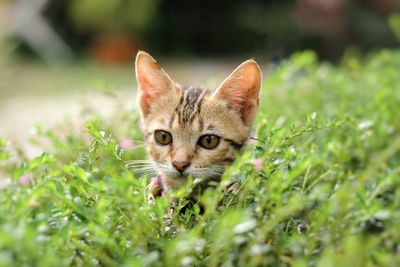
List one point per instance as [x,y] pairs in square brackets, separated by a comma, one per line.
[270,29]
[56,55]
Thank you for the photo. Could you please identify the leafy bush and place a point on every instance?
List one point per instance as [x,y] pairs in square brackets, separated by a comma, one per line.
[114,16]
[319,185]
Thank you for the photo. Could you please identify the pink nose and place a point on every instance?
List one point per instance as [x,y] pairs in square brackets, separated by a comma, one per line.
[180,166]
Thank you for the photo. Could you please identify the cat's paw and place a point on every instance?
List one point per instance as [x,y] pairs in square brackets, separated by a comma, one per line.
[154,188]
[150,198]
[168,218]
[233,188]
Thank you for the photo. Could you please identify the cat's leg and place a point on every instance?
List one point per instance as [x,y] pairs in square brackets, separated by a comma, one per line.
[150,197]
[233,188]
[154,189]
[230,193]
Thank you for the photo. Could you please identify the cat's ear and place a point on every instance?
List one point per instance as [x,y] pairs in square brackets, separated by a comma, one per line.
[152,80]
[241,90]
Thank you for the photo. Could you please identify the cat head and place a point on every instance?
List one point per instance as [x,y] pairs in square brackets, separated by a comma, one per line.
[193,131]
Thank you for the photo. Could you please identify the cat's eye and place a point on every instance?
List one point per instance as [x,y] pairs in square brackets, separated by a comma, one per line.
[209,141]
[162,138]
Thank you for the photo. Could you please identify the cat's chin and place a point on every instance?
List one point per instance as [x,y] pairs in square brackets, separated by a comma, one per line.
[175,181]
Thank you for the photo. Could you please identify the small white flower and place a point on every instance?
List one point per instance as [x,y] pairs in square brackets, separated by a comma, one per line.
[382,214]
[259,249]
[239,240]
[293,150]
[152,257]
[187,260]
[245,226]
[365,124]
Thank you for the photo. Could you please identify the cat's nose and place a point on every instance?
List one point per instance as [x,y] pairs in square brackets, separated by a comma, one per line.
[180,166]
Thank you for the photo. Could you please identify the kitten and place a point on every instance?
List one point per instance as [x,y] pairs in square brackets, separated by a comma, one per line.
[193,131]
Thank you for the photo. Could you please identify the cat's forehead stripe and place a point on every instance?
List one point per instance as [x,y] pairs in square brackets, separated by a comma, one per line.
[190,104]
[188,107]
[201,124]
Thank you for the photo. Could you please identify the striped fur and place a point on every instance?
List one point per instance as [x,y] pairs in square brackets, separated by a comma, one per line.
[188,113]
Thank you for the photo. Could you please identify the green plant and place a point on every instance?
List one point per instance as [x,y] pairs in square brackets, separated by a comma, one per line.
[394,24]
[112,16]
[319,185]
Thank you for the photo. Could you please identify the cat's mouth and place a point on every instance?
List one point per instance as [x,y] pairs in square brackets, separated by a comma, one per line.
[211,172]
[175,175]
[180,176]
[194,172]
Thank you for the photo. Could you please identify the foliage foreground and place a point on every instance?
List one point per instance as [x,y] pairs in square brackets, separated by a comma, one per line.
[319,184]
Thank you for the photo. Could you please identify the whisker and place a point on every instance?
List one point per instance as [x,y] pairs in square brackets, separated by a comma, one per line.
[140,169]
[138,165]
[140,160]
[136,146]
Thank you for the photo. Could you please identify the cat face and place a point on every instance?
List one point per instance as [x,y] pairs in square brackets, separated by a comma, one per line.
[193,131]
